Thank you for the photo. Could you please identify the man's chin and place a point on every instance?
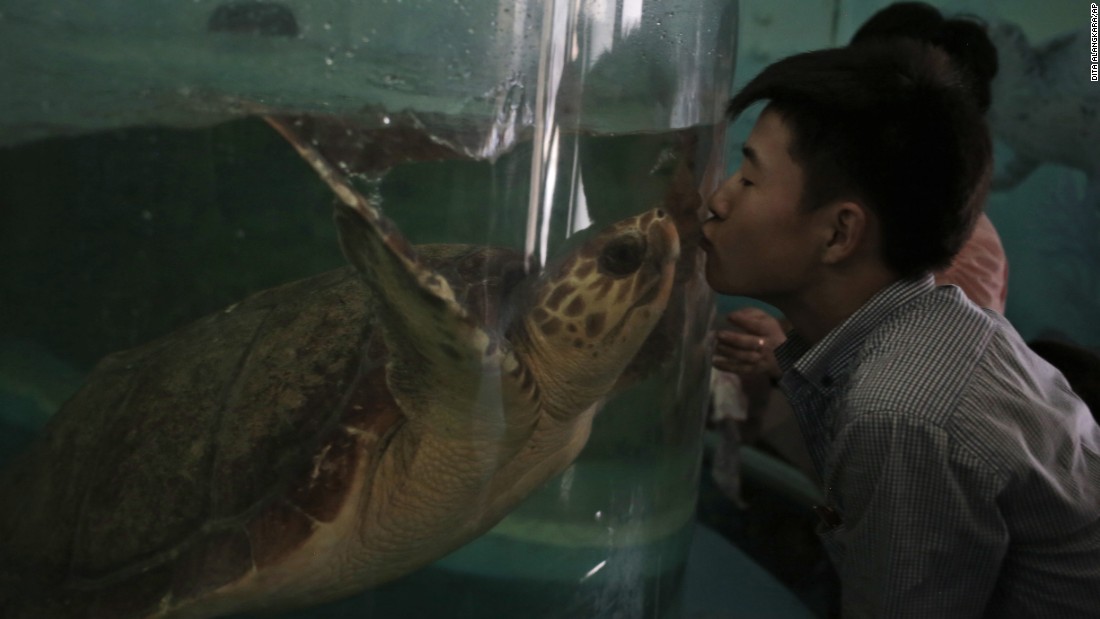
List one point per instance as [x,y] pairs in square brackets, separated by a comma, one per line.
[732,289]
[718,283]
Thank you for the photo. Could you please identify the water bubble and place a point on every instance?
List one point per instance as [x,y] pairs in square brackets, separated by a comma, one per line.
[329,61]
[385,120]
[327,26]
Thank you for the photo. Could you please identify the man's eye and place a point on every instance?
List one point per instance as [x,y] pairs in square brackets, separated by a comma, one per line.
[745,182]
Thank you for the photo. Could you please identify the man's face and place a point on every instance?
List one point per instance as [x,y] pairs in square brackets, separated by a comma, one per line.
[759,241]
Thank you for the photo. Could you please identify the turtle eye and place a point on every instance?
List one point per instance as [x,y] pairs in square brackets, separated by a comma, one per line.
[622,256]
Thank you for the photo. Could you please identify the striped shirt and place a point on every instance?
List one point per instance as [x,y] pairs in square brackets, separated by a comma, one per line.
[961,473]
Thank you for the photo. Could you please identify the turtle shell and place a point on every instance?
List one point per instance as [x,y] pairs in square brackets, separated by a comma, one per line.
[182,464]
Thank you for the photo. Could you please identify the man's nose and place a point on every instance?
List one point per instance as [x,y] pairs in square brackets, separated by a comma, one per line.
[718,204]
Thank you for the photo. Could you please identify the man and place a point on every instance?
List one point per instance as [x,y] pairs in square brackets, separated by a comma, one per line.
[961,474]
[980,268]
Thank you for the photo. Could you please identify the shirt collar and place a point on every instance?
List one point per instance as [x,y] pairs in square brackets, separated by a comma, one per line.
[823,363]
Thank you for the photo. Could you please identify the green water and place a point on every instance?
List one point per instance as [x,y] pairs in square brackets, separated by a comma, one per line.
[624,560]
[113,239]
[642,581]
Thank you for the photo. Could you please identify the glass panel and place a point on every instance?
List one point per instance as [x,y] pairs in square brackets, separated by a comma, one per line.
[364,425]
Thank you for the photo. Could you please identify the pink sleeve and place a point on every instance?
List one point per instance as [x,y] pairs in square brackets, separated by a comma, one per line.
[980,268]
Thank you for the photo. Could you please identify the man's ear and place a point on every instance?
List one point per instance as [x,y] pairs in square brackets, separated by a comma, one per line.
[847,225]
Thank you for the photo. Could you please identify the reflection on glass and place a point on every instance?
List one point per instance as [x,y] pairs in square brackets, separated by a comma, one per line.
[517,135]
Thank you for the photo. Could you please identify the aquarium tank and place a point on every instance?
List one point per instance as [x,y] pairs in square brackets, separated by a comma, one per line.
[511,280]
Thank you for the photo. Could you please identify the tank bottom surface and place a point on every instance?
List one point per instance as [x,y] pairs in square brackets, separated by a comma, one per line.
[500,577]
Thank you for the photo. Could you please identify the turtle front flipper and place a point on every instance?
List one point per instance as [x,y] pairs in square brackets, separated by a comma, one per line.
[445,369]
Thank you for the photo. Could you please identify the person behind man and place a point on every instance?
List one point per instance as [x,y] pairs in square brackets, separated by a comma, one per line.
[961,473]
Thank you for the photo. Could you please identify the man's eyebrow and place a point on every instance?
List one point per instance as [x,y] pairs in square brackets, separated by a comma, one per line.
[750,154]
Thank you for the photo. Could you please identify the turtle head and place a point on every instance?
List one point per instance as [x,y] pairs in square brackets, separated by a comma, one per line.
[592,311]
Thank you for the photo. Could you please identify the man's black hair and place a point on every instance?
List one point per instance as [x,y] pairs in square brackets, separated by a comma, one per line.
[891,126]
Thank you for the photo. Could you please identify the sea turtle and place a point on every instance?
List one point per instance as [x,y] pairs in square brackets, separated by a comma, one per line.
[330,434]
